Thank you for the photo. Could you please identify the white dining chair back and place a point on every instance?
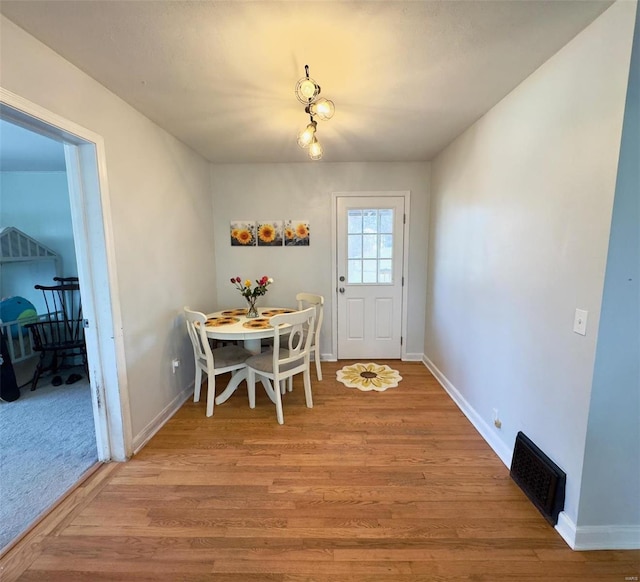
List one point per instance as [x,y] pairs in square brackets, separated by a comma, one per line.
[290,356]
[306,300]
[210,361]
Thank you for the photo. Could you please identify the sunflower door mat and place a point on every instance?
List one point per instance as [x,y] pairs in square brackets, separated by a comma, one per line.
[369,376]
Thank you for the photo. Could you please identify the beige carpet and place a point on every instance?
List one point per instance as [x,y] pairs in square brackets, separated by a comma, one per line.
[47,442]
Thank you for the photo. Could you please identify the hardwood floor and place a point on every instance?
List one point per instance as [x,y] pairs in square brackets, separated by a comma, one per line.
[364,487]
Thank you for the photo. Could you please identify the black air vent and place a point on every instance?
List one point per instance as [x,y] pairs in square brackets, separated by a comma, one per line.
[539,477]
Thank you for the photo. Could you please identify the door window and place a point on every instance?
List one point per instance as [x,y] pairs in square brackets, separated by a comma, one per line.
[370,246]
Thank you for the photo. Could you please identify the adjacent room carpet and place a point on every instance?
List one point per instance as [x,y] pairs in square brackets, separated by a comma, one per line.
[47,441]
[369,376]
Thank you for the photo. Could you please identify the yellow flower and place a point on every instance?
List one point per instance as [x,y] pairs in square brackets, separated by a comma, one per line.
[302,231]
[288,232]
[244,236]
[247,283]
[369,377]
[267,233]
[234,233]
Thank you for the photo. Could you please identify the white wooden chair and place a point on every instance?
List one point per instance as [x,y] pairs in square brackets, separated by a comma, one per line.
[211,362]
[290,356]
[306,300]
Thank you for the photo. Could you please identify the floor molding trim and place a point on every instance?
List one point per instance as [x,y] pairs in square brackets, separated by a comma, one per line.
[142,438]
[598,537]
[499,448]
[567,529]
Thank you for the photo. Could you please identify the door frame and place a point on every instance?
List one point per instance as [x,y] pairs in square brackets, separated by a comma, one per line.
[406,194]
[95,255]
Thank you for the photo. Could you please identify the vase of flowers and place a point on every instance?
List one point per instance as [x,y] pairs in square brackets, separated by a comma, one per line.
[251,293]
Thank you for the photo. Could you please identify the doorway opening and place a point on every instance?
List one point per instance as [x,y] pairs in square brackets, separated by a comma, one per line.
[91,229]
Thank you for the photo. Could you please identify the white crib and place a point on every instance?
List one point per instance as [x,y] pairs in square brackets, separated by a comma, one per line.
[19,344]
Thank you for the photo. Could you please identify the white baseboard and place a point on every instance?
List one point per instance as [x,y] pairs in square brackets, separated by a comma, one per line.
[598,537]
[488,434]
[608,537]
[412,357]
[142,438]
[567,529]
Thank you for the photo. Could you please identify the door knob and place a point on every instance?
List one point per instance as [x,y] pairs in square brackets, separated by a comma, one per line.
[341,289]
[341,277]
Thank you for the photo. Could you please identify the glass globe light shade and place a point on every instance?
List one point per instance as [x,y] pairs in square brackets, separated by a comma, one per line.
[315,150]
[306,137]
[307,90]
[322,108]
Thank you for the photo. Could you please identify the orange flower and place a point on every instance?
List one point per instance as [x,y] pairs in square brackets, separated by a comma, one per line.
[302,231]
[288,232]
[234,233]
[244,236]
[267,233]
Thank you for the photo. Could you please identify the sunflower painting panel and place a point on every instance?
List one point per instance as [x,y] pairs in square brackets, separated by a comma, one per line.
[269,233]
[243,233]
[296,233]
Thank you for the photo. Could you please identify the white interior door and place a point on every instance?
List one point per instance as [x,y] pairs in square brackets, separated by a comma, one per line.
[369,250]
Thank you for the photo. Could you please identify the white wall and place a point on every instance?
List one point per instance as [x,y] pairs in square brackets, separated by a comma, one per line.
[37,203]
[303,191]
[611,479]
[160,204]
[520,215]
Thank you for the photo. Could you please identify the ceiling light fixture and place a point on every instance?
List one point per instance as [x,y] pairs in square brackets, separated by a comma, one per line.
[307,91]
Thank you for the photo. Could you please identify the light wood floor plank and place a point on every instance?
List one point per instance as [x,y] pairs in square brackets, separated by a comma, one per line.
[365,487]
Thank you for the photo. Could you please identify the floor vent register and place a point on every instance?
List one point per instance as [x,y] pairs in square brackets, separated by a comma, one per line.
[539,477]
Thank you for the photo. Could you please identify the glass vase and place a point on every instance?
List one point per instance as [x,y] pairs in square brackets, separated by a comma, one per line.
[252,310]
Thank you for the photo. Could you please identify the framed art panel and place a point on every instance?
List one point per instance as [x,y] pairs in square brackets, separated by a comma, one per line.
[269,233]
[296,233]
[242,233]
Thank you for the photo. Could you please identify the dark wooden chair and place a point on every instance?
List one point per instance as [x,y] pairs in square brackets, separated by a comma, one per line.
[59,335]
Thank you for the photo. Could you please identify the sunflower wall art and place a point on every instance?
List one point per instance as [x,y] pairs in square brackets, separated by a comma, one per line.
[243,233]
[269,233]
[296,233]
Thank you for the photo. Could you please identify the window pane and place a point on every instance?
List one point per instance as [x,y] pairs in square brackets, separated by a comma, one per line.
[369,244]
[369,271]
[355,272]
[370,220]
[386,220]
[355,246]
[354,221]
[385,274]
[386,246]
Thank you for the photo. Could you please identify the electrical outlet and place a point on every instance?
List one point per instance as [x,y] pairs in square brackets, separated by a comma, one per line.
[496,419]
[175,364]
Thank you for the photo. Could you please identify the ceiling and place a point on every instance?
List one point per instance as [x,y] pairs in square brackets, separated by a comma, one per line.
[406,77]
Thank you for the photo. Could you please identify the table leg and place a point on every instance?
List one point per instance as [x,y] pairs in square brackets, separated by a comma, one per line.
[233,384]
[238,377]
[253,345]
[266,384]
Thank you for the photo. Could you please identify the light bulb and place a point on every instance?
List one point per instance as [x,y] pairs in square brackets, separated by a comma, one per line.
[315,150]
[306,137]
[307,90]
[322,108]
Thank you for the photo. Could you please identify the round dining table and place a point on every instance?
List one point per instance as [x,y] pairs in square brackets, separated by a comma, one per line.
[234,325]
